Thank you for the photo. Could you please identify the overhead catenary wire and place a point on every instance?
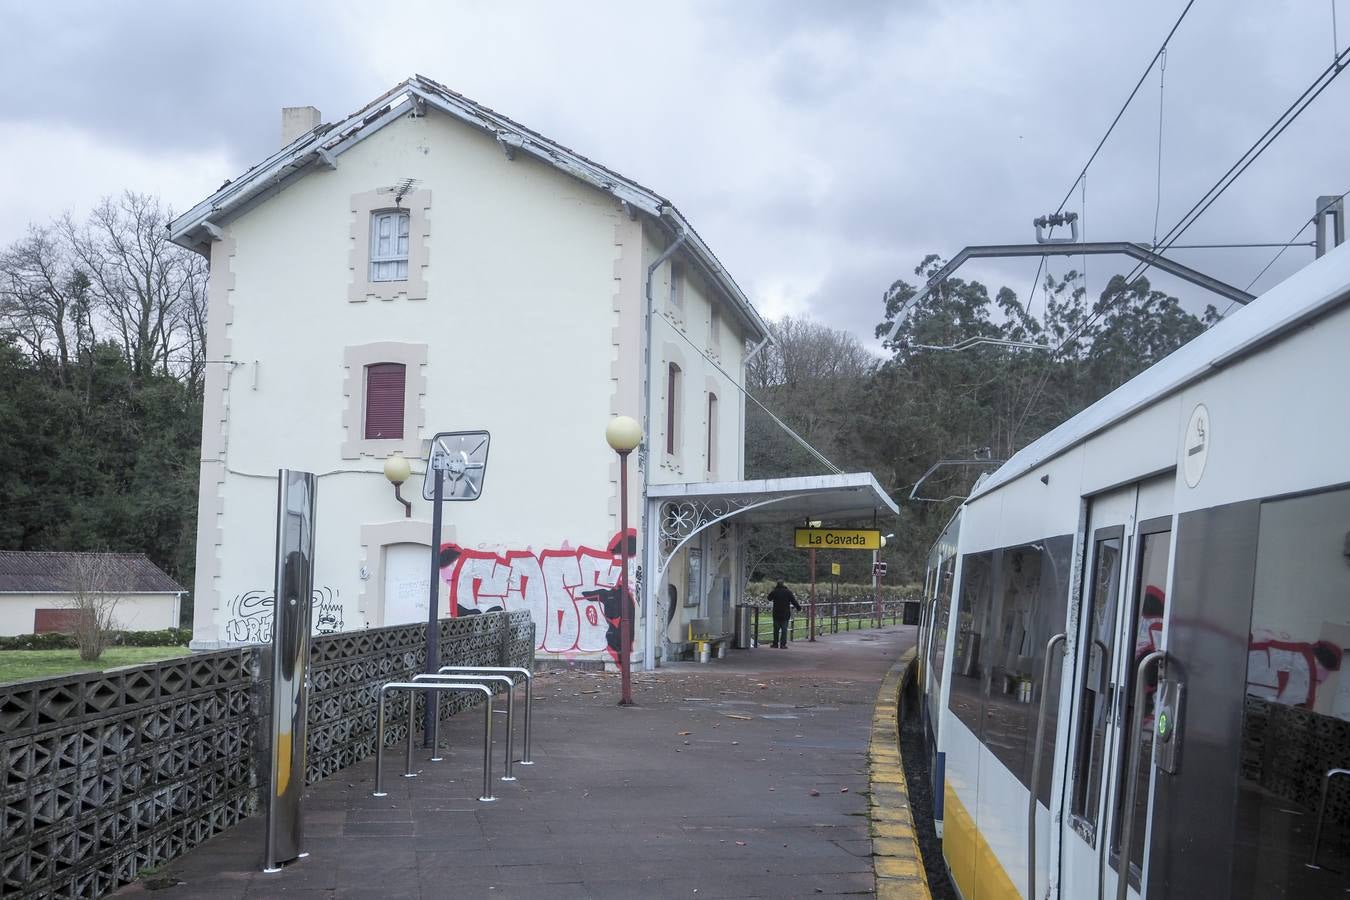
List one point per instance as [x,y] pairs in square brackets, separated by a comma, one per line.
[1290,243]
[820,457]
[1137,85]
[1291,113]
[1162,93]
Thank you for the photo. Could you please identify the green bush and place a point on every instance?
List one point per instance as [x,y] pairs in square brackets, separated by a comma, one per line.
[165,637]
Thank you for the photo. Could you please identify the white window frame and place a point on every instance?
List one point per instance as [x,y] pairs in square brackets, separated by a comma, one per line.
[380,263]
[365,207]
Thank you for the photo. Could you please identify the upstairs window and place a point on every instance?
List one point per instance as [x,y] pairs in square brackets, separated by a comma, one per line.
[672,409]
[385,385]
[712,433]
[389,245]
[715,331]
[677,287]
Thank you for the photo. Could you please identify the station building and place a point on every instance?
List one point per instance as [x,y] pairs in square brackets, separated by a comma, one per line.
[428,265]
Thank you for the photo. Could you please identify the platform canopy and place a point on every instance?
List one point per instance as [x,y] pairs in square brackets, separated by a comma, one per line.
[834,499]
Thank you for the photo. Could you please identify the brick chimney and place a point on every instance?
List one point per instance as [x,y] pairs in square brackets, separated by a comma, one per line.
[297,120]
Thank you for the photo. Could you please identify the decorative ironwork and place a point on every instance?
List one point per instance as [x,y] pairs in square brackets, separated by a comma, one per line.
[681,520]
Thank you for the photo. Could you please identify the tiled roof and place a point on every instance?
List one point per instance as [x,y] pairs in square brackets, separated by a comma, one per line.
[33,571]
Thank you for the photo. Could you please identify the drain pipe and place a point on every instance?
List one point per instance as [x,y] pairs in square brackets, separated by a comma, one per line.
[648,643]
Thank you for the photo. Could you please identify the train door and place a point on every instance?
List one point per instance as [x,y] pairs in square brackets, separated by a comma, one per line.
[1124,583]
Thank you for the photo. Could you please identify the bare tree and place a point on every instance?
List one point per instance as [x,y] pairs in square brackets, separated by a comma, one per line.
[811,375]
[45,298]
[91,577]
[145,287]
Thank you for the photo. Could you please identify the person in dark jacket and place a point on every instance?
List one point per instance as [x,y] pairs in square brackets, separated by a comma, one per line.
[783,604]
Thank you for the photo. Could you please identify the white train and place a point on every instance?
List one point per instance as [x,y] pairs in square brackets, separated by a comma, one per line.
[1159,589]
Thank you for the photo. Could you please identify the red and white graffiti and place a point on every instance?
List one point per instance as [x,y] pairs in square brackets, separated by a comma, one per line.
[1287,671]
[572,593]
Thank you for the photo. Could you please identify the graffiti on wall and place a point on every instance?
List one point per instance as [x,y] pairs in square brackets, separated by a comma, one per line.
[1288,671]
[249,617]
[571,592]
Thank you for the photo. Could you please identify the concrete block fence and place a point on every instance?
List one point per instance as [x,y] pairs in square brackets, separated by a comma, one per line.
[106,774]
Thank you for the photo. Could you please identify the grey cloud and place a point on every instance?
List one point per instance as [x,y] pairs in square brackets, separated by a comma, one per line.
[188,76]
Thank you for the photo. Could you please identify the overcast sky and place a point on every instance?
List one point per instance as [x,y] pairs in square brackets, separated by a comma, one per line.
[821,148]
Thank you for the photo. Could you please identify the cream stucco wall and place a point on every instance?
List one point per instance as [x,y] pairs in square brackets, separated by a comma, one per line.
[134,612]
[683,336]
[532,279]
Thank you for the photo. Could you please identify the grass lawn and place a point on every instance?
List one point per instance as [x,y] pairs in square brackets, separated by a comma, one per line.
[20,665]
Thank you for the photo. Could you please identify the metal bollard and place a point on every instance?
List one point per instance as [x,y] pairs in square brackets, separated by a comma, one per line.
[434,687]
[510,709]
[525,759]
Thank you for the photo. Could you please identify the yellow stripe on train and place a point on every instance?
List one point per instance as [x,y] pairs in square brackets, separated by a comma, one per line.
[975,868]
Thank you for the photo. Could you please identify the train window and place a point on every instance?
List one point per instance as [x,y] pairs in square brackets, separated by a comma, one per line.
[1094,703]
[942,612]
[1012,656]
[1146,618]
[972,628]
[1296,715]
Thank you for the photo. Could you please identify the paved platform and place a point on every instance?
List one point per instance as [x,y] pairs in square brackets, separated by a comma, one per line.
[744,777]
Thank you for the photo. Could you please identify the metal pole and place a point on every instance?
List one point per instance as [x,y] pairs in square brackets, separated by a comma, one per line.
[529,695]
[435,699]
[525,760]
[876,587]
[625,619]
[412,711]
[379,749]
[811,616]
[433,624]
[510,704]
[1132,774]
[487,748]
[1321,814]
[1036,765]
[435,687]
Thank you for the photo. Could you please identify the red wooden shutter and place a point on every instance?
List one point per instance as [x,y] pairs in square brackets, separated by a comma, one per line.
[384,401]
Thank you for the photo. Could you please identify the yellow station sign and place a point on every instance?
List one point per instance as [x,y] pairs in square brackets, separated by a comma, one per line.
[836,569]
[838,539]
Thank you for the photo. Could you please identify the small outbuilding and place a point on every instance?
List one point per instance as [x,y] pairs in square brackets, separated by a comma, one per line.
[44,591]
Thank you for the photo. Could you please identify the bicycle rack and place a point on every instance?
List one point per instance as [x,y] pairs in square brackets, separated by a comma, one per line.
[427,678]
[525,759]
[434,688]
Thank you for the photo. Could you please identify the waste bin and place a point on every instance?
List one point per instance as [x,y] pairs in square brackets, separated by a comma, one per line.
[743,635]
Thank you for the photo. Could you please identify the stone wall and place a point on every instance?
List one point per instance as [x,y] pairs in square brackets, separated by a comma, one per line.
[104,775]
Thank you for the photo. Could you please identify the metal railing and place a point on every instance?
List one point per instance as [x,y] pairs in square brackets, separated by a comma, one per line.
[1322,814]
[525,759]
[832,617]
[433,689]
[435,699]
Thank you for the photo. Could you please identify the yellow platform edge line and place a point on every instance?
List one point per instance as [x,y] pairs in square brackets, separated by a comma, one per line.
[896,857]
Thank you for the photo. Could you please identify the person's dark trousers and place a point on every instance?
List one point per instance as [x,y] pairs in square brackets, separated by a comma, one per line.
[780,632]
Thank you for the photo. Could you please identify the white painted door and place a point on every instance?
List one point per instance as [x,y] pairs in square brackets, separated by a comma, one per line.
[407,570]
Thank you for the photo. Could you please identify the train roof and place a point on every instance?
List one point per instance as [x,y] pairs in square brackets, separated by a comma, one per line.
[1318,287]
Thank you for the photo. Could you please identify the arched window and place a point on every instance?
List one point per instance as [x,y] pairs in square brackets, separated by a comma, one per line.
[672,409]
[712,433]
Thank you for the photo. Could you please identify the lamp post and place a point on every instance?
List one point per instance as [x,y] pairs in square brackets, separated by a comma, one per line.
[811,612]
[397,470]
[623,434]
